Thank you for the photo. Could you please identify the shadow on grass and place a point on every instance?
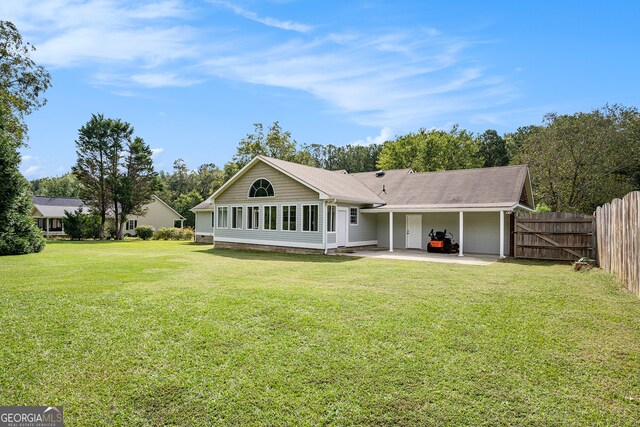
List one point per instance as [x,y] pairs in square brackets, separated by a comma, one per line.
[275,256]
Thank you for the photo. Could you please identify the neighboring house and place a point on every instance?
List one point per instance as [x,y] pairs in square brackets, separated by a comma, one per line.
[277,205]
[49,211]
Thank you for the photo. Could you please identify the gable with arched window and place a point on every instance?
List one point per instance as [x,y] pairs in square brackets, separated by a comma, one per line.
[261,188]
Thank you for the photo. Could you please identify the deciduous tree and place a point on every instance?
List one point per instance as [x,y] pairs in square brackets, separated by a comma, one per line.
[583,160]
[431,150]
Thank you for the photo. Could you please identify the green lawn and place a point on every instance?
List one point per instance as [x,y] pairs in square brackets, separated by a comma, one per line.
[170,333]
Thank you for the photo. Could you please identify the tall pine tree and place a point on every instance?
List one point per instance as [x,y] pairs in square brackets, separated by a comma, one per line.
[22,83]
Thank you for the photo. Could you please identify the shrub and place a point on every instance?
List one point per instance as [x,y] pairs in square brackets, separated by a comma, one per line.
[78,225]
[72,223]
[173,234]
[145,232]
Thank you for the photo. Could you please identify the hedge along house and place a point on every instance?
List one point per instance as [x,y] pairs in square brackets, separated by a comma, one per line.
[277,205]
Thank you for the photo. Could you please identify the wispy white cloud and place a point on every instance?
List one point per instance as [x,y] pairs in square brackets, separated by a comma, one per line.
[132,37]
[270,22]
[32,166]
[386,134]
[398,79]
[155,152]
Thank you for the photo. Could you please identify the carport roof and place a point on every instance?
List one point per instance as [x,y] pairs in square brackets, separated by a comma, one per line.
[480,189]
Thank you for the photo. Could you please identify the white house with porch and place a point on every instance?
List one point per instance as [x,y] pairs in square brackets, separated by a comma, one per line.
[49,212]
[272,204]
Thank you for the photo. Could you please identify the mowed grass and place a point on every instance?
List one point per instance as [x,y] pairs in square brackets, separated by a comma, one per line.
[169,333]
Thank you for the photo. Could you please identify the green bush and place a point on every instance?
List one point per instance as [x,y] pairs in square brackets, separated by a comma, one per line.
[19,233]
[145,232]
[78,225]
[173,234]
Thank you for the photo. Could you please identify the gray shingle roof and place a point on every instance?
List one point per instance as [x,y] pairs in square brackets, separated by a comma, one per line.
[335,185]
[466,188]
[204,206]
[56,206]
[402,189]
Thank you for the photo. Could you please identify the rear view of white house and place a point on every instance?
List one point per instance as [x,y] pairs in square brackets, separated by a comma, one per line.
[272,204]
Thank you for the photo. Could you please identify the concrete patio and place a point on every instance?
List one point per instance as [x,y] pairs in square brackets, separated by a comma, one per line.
[419,255]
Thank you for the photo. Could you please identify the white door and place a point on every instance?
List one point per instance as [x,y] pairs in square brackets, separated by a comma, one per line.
[414,231]
[341,227]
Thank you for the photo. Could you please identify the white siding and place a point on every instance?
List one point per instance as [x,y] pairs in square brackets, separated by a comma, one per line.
[481,230]
[203,223]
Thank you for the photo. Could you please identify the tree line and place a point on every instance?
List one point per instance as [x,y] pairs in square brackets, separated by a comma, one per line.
[577,161]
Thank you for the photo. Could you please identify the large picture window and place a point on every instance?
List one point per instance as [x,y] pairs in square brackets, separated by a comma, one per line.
[253,217]
[223,217]
[310,218]
[261,188]
[270,218]
[331,218]
[289,218]
[236,217]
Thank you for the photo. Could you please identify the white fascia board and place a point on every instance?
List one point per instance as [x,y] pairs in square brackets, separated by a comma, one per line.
[523,207]
[235,177]
[420,210]
[295,178]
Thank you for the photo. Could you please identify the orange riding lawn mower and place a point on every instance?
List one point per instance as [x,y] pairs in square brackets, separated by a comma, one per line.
[442,242]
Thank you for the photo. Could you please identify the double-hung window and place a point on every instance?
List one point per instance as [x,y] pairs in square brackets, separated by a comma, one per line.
[289,218]
[309,217]
[253,217]
[270,218]
[353,216]
[331,218]
[236,217]
[223,217]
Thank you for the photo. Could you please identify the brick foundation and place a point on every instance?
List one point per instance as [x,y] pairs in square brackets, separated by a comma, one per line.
[199,238]
[284,249]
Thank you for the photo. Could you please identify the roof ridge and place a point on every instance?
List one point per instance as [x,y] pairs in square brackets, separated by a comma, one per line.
[474,169]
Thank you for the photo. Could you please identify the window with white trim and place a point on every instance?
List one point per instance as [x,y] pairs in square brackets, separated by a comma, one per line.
[354,214]
[236,217]
[331,218]
[289,218]
[309,217]
[223,215]
[253,217]
[270,218]
[261,188]
[131,224]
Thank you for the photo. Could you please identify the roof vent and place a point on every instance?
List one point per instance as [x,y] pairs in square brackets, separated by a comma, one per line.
[379,174]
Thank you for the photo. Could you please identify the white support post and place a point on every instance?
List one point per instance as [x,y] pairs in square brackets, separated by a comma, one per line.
[325,225]
[501,234]
[461,232]
[390,231]
[46,222]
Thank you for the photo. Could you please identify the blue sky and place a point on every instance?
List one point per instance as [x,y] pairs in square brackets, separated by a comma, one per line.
[193,76]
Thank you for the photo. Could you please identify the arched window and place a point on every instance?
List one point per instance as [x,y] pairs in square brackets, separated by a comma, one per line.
[261,188]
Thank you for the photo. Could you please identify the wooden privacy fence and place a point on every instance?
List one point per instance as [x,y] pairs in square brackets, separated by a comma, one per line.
[555,236]
[618,227]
